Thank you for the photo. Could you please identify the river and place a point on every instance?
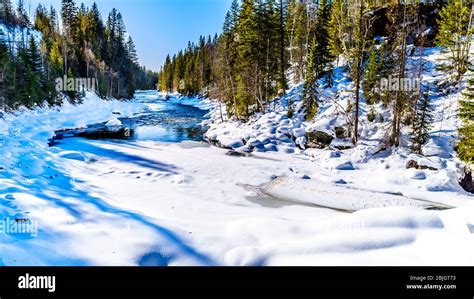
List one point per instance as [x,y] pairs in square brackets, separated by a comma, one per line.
[166,120]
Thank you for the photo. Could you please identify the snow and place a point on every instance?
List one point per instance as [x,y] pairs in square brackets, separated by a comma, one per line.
[338,197]
[12,35]
[113,122]
[154,204]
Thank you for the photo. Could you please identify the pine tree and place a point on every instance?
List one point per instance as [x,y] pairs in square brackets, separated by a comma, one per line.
[323,56]
[281,44]
[466,131]
[455,34]
[248,58]
[339,24]
[298,36]
[405,23]
[22,16]
[4,61]
[371,78]
[7,13]
[422,123]
[131,51]
[310,91]
[68,15]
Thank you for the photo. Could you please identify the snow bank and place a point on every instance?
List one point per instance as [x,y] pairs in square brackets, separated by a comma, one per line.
[277,130]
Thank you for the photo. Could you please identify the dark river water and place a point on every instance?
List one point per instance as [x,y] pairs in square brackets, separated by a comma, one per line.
[166,120]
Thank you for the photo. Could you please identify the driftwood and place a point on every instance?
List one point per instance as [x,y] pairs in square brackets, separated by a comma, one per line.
[96,132]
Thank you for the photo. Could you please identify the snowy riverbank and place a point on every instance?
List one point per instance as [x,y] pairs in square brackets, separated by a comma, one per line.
[154,203]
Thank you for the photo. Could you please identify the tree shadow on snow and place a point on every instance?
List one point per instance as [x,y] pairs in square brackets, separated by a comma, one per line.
[57,187]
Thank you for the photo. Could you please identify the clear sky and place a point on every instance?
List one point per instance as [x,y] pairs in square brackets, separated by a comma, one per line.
[160,27]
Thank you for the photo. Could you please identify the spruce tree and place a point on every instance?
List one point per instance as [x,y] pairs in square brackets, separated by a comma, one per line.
[7,13]
[369,84]
[466,131]
[4,61]
[310,91]
[422,123]
[68,15]
[454,37]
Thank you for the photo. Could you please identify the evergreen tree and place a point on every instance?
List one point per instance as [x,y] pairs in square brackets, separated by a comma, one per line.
[466,131]
[311,86]
[22,16]
[4,61]
[68,16]
[281,44]
[131,51]
[369,84]
[323,56]
[7,13]
[298,34]
[422,123]
[455,34]
[248,68]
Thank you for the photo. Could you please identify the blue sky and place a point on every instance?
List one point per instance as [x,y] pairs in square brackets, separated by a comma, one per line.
[160,27]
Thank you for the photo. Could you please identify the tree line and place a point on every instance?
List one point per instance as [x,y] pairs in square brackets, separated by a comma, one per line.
[74,42]
[268,44]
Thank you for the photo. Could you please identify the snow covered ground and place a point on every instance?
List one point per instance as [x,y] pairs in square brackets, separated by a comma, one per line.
[151,203]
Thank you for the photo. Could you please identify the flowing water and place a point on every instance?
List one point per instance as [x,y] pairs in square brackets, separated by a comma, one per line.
[166,120]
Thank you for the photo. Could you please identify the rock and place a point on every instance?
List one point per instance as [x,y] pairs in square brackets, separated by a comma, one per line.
[335,154]
[342,144]
[113,122]
[340,132]
[232,143]
[300,132]
[263,139]
[287,130]
[270,147]
[233,153]
[414,164]
[98,131]
[345,166]
[318,139]
[301,142]
[419,175]
[305,177]
[467,182]
[340,182]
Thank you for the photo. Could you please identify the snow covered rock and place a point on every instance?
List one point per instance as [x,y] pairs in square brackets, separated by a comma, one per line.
[342,144]
[422,163]
[113,122]
[432,149]
[299,132]
[345,166]
[318,139]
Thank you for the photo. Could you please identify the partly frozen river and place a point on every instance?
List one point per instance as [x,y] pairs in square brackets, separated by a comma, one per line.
[166,120]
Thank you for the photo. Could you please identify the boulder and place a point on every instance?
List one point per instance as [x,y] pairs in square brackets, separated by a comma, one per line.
[234,153]
[342,144]
[97,132]
[467,182]
[414,164]
[340,132]
[345,166]
[318,139]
